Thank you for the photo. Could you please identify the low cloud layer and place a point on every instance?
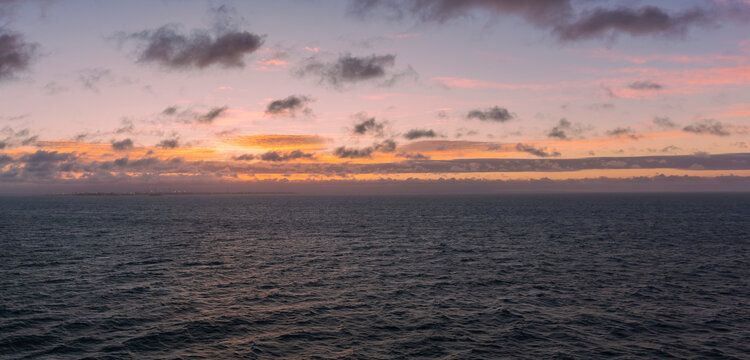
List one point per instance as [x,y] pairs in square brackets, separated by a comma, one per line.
[44,166]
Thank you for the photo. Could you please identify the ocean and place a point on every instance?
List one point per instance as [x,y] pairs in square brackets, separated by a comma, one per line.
[563,276]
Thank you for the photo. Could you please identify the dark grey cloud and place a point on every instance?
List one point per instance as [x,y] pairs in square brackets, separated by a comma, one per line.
[561,18]
[623,132]
[368,125]
[646,20]
[16,55]
[348,69]
[645,85]
[211,115]
[539,13]
[10,138]
[351,153]
[536,151]
[559,130]
[419,133]
[289,106]
[122,145]
[244,157]
[495,113]
[708,126]
[168,47]
[169,144]
[277,156]
[414,156]
[386,146]
[191,116]
[170,110]
[664,122]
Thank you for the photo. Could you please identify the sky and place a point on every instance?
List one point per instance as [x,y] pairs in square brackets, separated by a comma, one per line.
[374,95]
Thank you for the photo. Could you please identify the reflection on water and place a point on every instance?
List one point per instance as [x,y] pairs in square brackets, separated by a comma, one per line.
[566,276]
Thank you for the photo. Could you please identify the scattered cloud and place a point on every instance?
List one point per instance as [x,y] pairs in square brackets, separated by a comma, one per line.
[189,116]
[536,151]
[414,156]
[494,114]
[368,125]
[10,138]
[223,46]
[92,78]
[289,106]
[566,130]
[709,127]
[169,144]
[623,132]
[664,122]
[645,85]
[351,153]
[16,55]
[387,146]
[244,157]
[348,69]
[122,145]
[277,156]
[419,133]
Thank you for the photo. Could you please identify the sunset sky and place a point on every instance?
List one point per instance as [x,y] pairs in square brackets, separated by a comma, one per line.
[231,95]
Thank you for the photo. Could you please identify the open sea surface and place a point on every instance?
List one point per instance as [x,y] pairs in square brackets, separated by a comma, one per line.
[384,277]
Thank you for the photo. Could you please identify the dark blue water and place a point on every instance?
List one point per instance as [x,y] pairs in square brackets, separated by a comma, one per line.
[469,277]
